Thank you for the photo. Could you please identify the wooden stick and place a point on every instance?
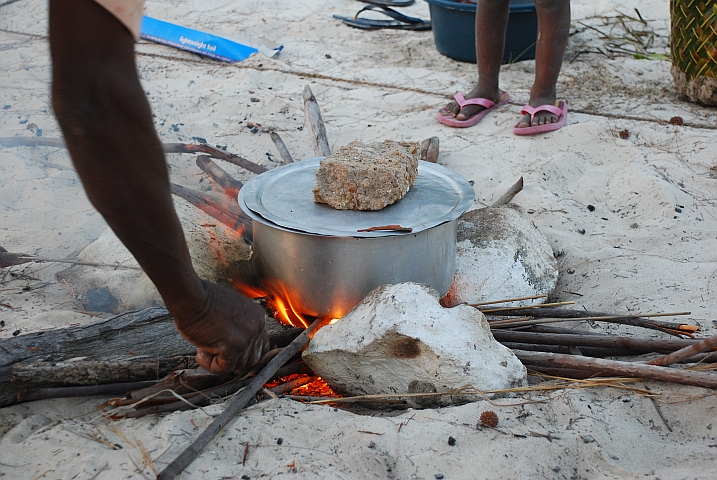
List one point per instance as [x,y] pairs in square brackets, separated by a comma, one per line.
[614,367]
[552,329]
[587,351]
[586,314]
[8,259]
[168,148]
[237,405]
[507,300]
[87,391]
[687,352]
[315,124]
[19,258]
[672,328]
[201,398]
[281,147]
[229,185]
[667,345]
[562,372]
[525,307]
[430,148]
[512,192]
[642,315]
[32,142]
[197,400]
[226,213]
[214,153]
[525,322]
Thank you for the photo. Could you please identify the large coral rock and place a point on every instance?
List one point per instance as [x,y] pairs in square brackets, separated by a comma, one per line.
[500,254]
[399,339]
[218,254]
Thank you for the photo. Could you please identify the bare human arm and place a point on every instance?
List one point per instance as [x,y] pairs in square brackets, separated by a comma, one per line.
[107,123]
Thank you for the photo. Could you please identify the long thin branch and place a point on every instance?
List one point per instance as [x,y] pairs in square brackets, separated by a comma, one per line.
[614,367]
[281,147]
[168,148]
[523,308]
[672,328]
[229,185]
[315,124]
[237,405]
[204,397]
[667,345]
[587,351]
[214,153]
[512,192]
[85,391]
[687,352]
[32,142]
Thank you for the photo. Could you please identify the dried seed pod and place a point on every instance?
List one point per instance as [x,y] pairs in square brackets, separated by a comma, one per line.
[489,419]
[676,121]
[624,134]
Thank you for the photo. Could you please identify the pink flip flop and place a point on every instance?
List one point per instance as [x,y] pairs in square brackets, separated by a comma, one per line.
[560,109]
[469,122]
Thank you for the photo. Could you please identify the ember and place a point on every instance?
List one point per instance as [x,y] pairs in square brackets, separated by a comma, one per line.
[316,388]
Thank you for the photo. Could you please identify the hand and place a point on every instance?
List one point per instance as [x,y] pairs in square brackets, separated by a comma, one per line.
[229,331]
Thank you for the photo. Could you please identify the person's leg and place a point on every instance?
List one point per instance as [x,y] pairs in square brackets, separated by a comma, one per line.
[553,30]
[107,123]
[491,22]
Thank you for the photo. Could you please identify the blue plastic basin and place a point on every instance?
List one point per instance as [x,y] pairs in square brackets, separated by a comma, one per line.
[454,31]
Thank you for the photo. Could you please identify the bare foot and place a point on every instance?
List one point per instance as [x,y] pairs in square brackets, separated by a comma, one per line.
[454,110]
[229,332]
[541,118]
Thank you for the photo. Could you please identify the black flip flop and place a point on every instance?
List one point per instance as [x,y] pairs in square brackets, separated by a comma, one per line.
[390,3]
[399,22]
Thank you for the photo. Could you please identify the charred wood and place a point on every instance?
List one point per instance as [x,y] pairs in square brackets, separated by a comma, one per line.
[229,185]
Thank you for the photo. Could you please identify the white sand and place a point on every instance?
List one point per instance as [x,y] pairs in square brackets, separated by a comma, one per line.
[637,254]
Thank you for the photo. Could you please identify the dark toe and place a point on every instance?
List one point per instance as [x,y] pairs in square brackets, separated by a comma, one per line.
[468,111]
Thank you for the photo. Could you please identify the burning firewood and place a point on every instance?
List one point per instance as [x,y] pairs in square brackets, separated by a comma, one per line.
[229,185]
[227,213]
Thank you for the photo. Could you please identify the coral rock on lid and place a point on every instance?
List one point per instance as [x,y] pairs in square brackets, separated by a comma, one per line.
[367,177]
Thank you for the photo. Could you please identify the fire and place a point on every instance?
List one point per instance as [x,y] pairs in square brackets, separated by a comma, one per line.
[278,300]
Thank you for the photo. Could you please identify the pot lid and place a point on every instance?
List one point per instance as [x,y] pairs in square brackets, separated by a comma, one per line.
[284,196]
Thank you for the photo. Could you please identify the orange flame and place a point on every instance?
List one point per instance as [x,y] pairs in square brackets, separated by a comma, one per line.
[278,300]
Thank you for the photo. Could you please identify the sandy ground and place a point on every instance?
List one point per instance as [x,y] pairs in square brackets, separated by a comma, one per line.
[647,246]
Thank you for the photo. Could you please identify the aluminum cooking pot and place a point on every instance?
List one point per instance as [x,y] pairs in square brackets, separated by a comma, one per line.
[321,260]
